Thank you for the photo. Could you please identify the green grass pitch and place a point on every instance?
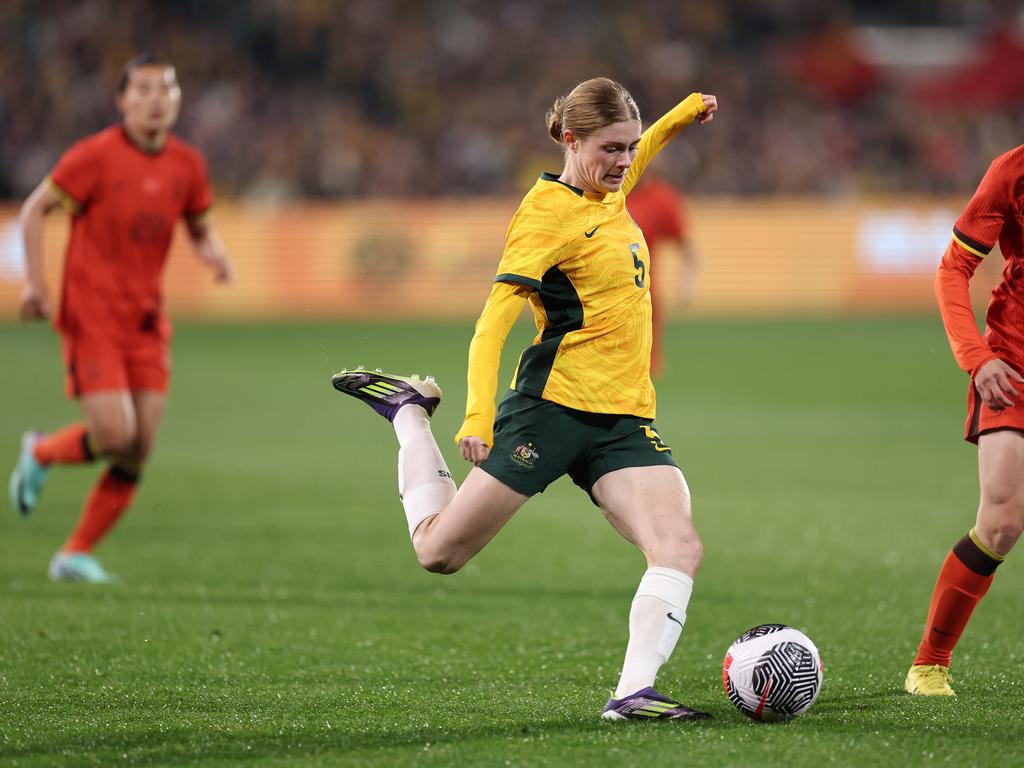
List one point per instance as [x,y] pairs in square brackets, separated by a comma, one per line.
[271,612]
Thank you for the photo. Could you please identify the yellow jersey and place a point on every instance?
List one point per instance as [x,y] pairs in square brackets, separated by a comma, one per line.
[584,263]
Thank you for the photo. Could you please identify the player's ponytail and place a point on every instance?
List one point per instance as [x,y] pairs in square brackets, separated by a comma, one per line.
[589,107]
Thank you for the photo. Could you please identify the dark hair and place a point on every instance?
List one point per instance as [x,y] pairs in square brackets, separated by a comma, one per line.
[589,107]
[145,59]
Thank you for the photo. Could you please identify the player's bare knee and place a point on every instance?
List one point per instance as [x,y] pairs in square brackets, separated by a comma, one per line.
[141,450]
[683,551]
[1002,503]
[439,560]
[697,552]
[1001,532]
[690,550]
[114,441]
[685,539]
[440,565]
[131,452]
[1002,498]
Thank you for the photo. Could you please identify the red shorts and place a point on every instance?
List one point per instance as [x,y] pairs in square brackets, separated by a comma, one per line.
[99,363]
[982,419]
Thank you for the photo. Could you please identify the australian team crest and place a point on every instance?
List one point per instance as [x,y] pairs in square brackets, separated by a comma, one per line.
[525,455]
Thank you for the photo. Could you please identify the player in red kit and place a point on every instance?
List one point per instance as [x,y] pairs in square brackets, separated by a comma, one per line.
[125,187]
[995,409]
[660,212]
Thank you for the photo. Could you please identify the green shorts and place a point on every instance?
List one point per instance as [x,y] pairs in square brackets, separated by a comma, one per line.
[537,441]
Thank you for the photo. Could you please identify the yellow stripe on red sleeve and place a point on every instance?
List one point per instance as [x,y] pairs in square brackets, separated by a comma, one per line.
[66,200]
[970,244]
[198,220]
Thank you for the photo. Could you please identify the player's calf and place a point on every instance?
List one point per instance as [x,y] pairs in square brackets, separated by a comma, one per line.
[115,442]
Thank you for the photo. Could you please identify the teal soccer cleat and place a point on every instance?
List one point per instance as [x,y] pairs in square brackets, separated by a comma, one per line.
[78,566]
[28,477]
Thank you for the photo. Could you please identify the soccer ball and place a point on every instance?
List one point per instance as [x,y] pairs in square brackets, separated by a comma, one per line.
[772,672]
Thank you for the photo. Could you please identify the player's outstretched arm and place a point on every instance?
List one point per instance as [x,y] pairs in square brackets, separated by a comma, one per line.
[697,106]
[35,299]
[210,250]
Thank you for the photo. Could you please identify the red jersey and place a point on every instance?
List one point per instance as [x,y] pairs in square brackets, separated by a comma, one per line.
[658,209]
[124,202]
[994,214]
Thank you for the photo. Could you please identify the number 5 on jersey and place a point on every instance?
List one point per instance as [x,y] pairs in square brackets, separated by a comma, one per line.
[638,264]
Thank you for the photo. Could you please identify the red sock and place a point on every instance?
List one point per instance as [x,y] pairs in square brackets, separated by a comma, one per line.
[110,497]
[68,445]
[964,579]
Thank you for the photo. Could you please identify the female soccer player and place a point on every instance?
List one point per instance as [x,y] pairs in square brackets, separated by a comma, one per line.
[581,402]
[995,410]
[125,188]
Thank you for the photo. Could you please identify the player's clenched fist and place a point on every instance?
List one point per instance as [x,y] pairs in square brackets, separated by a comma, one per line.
[35,305]
[474,449]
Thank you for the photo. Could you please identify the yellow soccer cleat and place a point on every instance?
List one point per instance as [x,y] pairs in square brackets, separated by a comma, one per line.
[929,680]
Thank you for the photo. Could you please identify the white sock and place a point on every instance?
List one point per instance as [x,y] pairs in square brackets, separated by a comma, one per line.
[425,485]
[655,620]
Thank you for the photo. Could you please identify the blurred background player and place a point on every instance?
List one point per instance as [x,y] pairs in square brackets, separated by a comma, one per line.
[995,410]
[125,188]
[582,403]
[659,209]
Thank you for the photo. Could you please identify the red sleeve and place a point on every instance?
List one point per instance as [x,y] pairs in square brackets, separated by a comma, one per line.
[676,218]
[978,227]
[951,289]
[200,194]
[77,174]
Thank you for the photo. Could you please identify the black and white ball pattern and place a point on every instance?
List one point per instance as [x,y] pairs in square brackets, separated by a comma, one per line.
[772,672]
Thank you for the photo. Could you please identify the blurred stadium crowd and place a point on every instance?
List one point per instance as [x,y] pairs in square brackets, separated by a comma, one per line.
[314,99]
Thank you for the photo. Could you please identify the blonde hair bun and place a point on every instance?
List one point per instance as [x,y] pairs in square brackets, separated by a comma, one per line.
[589,107]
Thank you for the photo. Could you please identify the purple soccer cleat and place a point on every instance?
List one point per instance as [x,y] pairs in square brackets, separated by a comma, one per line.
[386,393]
[648,704]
